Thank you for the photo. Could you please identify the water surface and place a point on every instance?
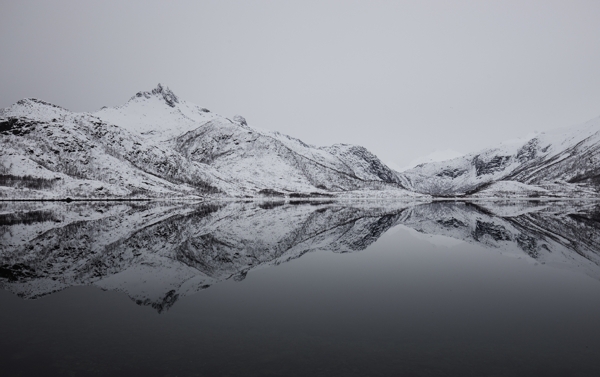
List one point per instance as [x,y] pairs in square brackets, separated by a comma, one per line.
[281,289]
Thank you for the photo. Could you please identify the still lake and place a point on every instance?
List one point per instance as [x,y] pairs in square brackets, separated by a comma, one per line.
[300,289]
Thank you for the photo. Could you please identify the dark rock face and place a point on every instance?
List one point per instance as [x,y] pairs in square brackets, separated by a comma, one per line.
[18,126]
[16,272]
[495,231]
[529,151]
[240,119]
[170,98]
[375,166]
[495,165]
[452,223]
[28,101]
[364,163]
[529,244]
[8,124]
[452,173]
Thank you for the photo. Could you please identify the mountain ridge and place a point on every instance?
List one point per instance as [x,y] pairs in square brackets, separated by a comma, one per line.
[560,162]
[159,145]
[143,148]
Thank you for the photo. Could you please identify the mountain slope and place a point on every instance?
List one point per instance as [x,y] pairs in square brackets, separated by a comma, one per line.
[81,155]
[159,145]
[156,115]
[255,159]
[557,160]
[264,160]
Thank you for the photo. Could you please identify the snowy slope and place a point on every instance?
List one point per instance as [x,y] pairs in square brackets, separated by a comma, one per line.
[84,156]
[264,160]
[159,145]
[557,159]
[156,115]
[253,158]
[436,156]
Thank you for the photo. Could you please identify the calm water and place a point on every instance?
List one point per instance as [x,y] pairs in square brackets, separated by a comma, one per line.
[275,289]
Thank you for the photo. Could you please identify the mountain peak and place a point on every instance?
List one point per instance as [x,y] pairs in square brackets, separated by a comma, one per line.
[37,102]
[34,108]
[241,120]
[163,91]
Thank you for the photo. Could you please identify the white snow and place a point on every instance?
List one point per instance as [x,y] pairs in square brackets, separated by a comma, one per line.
[436,156]
[157,144]
[537,159]
[150,116]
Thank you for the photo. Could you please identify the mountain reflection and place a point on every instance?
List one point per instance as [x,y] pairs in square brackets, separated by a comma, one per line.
[159,252]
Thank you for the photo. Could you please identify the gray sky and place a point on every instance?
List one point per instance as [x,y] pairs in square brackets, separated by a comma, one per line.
[402,78]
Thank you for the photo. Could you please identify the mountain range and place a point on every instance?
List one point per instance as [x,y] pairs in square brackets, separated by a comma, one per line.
[563,162]
[157,145]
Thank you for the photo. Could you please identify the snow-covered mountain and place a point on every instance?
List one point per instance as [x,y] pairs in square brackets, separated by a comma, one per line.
[565,162]
[80,155]
[159,145]
[157,115]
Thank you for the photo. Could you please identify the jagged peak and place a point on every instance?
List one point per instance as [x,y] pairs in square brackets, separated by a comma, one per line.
[347,147]
[342,145]
[163,91]
[241,120]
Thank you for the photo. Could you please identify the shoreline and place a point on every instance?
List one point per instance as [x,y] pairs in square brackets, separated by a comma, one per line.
[329,199]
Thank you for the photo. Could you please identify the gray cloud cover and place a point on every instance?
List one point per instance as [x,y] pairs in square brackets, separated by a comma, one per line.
[402,78]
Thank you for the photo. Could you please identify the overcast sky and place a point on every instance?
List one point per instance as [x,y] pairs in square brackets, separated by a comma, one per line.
[402,78]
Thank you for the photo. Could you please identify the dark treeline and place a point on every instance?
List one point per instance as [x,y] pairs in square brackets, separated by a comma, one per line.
[26,181]
[26,217]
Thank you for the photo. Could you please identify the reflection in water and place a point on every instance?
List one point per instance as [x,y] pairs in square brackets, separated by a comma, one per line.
[159,252]
[437,295]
